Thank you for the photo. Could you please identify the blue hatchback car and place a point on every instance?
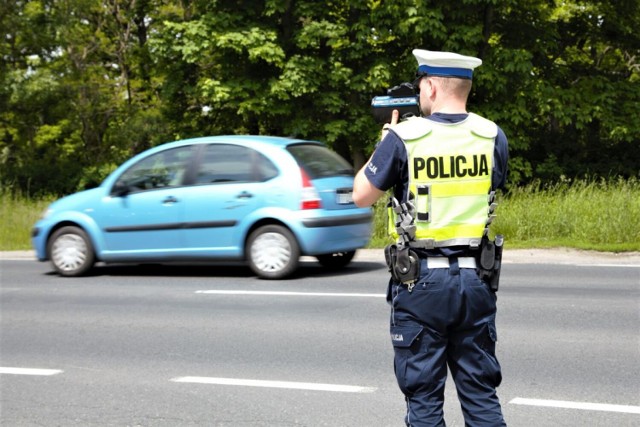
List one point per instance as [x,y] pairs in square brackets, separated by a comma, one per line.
[264,200]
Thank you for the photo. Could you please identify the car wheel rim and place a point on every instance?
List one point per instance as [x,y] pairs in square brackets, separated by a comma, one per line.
[271,252]
[69,252]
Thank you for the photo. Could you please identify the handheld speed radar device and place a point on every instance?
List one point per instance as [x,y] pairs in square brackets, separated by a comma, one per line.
[402,98]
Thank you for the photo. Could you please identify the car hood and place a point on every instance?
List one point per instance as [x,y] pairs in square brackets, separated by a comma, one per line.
[77,201]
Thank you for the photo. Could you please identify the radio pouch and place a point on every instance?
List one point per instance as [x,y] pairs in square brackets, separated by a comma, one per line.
[491,261]
[487,254]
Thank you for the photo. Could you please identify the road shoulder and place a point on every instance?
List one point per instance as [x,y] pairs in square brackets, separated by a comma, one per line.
[510,256]
[541,256]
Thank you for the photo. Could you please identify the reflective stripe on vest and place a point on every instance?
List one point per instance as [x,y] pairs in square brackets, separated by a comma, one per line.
[450,169]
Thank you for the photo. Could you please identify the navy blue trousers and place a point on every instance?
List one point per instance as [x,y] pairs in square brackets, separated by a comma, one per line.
[448,319]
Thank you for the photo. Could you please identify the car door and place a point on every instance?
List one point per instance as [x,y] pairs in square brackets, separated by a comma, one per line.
[226,190]
[143,217]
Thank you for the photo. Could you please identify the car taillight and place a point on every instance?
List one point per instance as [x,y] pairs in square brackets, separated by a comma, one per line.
[310,196]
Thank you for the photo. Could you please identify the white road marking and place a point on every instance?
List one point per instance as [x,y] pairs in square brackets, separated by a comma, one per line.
[286,293]
[29,371]
[577,405]
[275,384]
[609,265]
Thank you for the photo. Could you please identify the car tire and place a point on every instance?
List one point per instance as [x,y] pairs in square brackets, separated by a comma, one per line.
[336,260]
[71,251]
[273,252]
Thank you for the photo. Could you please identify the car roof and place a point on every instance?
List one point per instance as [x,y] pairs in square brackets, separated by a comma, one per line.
[247,139]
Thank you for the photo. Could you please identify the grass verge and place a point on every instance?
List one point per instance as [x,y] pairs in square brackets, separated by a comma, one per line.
[591,215]
[19,213]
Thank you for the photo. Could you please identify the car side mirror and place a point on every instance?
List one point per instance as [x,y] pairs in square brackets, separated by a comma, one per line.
[120,189]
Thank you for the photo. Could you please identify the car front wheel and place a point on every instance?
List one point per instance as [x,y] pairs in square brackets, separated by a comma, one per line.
[273,252]
[71,251]
[336,260]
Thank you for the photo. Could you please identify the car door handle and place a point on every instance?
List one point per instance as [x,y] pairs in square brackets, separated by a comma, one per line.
[169,200]
[244,195]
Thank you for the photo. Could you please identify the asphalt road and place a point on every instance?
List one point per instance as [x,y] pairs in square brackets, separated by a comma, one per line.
[214,346]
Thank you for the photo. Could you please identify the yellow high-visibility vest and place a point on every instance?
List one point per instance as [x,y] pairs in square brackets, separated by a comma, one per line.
[450,166]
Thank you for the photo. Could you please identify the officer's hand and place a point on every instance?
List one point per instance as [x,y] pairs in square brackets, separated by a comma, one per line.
[394,120]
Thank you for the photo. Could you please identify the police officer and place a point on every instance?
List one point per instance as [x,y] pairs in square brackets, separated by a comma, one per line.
[447,166]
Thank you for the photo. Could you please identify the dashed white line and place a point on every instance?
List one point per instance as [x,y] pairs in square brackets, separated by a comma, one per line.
[610,265]
[577,405]
[29,371]
[275,384]
[286,293]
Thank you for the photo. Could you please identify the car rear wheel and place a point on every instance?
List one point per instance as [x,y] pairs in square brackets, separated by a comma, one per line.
[273,252]
[71,251]
[336,260]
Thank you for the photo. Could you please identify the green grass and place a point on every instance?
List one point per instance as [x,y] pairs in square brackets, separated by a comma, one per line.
[18,214]
[592,215]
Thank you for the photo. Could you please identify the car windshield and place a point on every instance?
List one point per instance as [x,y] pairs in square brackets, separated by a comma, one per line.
[319,162]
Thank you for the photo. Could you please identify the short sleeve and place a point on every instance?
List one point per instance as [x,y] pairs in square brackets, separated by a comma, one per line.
[501,159]
[388,164]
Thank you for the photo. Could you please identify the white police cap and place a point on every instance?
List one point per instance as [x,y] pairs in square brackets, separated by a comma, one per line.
[445,64]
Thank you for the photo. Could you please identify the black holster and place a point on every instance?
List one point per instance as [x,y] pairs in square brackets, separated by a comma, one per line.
[403,263]
[491,261]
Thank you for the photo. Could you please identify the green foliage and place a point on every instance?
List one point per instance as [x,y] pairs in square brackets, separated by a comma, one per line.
[19,213]
[84,84]
[380,237]
[595,214]
[585,214]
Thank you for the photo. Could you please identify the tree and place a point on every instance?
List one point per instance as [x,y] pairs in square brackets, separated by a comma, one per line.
[76,98]
[87,83]
[587,86]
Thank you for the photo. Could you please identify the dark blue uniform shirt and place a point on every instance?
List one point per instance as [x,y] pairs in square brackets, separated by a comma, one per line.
[388,168]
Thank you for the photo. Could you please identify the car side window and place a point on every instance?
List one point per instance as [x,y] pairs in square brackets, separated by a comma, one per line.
[160,170]
[228,163]
[265,169]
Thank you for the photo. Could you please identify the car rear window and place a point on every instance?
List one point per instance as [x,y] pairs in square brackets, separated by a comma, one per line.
[319,161]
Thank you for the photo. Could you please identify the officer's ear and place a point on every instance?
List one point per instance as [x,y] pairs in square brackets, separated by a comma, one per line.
[430,86]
